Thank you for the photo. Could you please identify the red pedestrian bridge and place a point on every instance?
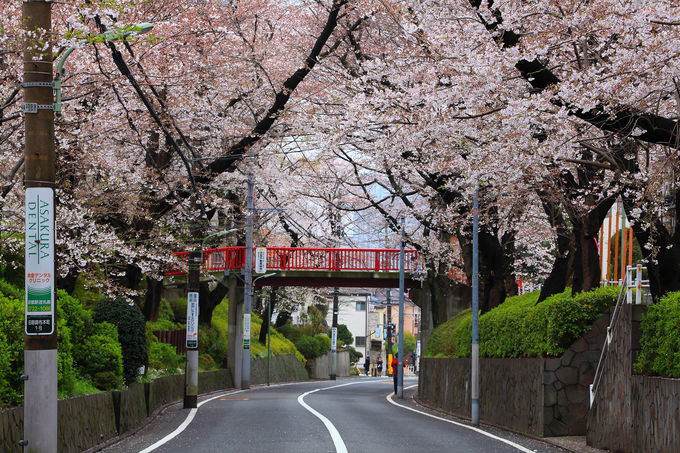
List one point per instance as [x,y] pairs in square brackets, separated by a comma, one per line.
[316,267]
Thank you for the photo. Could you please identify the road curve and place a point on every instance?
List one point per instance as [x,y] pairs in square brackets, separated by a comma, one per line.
[347,415]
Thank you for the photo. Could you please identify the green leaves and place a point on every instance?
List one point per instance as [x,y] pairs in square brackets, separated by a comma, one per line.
[660,340]
[521,328]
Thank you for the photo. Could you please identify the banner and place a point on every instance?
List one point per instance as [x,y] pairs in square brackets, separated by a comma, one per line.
[39,269]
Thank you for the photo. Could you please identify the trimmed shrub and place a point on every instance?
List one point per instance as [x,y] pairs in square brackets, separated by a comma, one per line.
[102,353]
[660,341]
[206,362]
[11,349]
[131,325]
[164,358]
[521,328]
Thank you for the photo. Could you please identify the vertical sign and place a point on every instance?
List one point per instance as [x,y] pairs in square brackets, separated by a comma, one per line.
[377,332]
[261,260]
[192,320]
[418,349]
[39,269]
[334,339]
[246,331]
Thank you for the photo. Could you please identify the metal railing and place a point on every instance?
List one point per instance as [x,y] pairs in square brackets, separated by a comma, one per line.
[301,258]
[627,285]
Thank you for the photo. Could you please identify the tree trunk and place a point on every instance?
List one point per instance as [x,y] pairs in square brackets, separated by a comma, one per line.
[586,260]
[266,320]
[152,301]
[208,300]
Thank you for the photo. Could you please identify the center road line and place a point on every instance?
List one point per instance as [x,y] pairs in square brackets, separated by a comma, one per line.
[335,435]
[478,430]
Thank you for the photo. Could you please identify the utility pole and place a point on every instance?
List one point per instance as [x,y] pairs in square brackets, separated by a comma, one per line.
[40,340]
[474,387]
[191,369]
[334,336]
[248,277]
[400,362]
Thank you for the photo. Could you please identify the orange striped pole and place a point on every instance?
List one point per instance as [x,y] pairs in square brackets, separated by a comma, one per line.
[630,246]
[616,249]
[609,235]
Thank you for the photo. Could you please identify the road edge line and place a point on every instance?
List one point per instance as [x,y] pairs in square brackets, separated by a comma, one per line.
[187,421]
[462,425]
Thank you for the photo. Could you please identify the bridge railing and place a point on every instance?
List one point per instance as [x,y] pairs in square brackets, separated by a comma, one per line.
[301,258]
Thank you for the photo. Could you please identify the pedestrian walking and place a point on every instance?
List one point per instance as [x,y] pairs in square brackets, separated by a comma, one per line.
[379,365]
[367,364]
[395,371]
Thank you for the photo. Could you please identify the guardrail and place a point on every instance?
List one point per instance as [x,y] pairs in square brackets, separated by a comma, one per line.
[301,258]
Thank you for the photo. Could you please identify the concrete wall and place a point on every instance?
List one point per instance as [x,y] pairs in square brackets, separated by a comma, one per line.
[544,397]
[320,368]
[89,420]
[633,413]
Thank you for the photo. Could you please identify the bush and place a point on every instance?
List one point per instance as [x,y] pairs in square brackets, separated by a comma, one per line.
[11,349]
[106,380]
[206,362]
[131,333]
[164,358]
[660,341]
[521,328]
[102,353]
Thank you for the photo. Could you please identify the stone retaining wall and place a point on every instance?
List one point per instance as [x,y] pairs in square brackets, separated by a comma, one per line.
[89,420]
[544,397]
[320,367]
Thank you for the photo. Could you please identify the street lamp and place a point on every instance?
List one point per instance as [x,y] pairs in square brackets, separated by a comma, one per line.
[218,234]
[110,35]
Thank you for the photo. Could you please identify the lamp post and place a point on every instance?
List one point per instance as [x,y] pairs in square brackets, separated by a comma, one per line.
[40,340]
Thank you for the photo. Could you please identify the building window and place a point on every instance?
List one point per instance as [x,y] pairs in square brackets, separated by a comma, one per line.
[361,305]
[360,342]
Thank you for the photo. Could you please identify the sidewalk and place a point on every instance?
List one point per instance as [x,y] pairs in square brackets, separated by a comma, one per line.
[575,444]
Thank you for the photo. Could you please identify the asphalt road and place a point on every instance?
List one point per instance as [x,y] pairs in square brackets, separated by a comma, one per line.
[347,415]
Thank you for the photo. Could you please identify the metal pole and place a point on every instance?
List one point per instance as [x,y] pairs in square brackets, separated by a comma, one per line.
[400,350]
[191,369]
[248,283]
[367,335]
[389,332]
[40,340]
[269,338]
[475,309]
[334,336]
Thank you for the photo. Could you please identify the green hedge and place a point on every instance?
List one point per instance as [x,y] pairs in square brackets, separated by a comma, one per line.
[660,341]
[521,328]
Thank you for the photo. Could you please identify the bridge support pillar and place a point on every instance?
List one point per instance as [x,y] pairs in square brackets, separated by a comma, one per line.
[235,339]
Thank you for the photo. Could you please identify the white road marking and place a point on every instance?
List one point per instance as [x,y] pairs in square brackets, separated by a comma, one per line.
[335,435]
[185,423]
[480,431]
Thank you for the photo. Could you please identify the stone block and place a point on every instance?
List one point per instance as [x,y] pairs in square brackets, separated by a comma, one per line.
[85,421]
[580,345]
[549,377]
[586,374]
[567,357]
[567,375]
[549,397]
[562,400]
[577,394]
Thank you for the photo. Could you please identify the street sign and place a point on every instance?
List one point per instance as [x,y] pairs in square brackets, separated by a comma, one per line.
[377,331]
[334,339]
[261,260]
[39,268]
[192,320]
[246,331]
